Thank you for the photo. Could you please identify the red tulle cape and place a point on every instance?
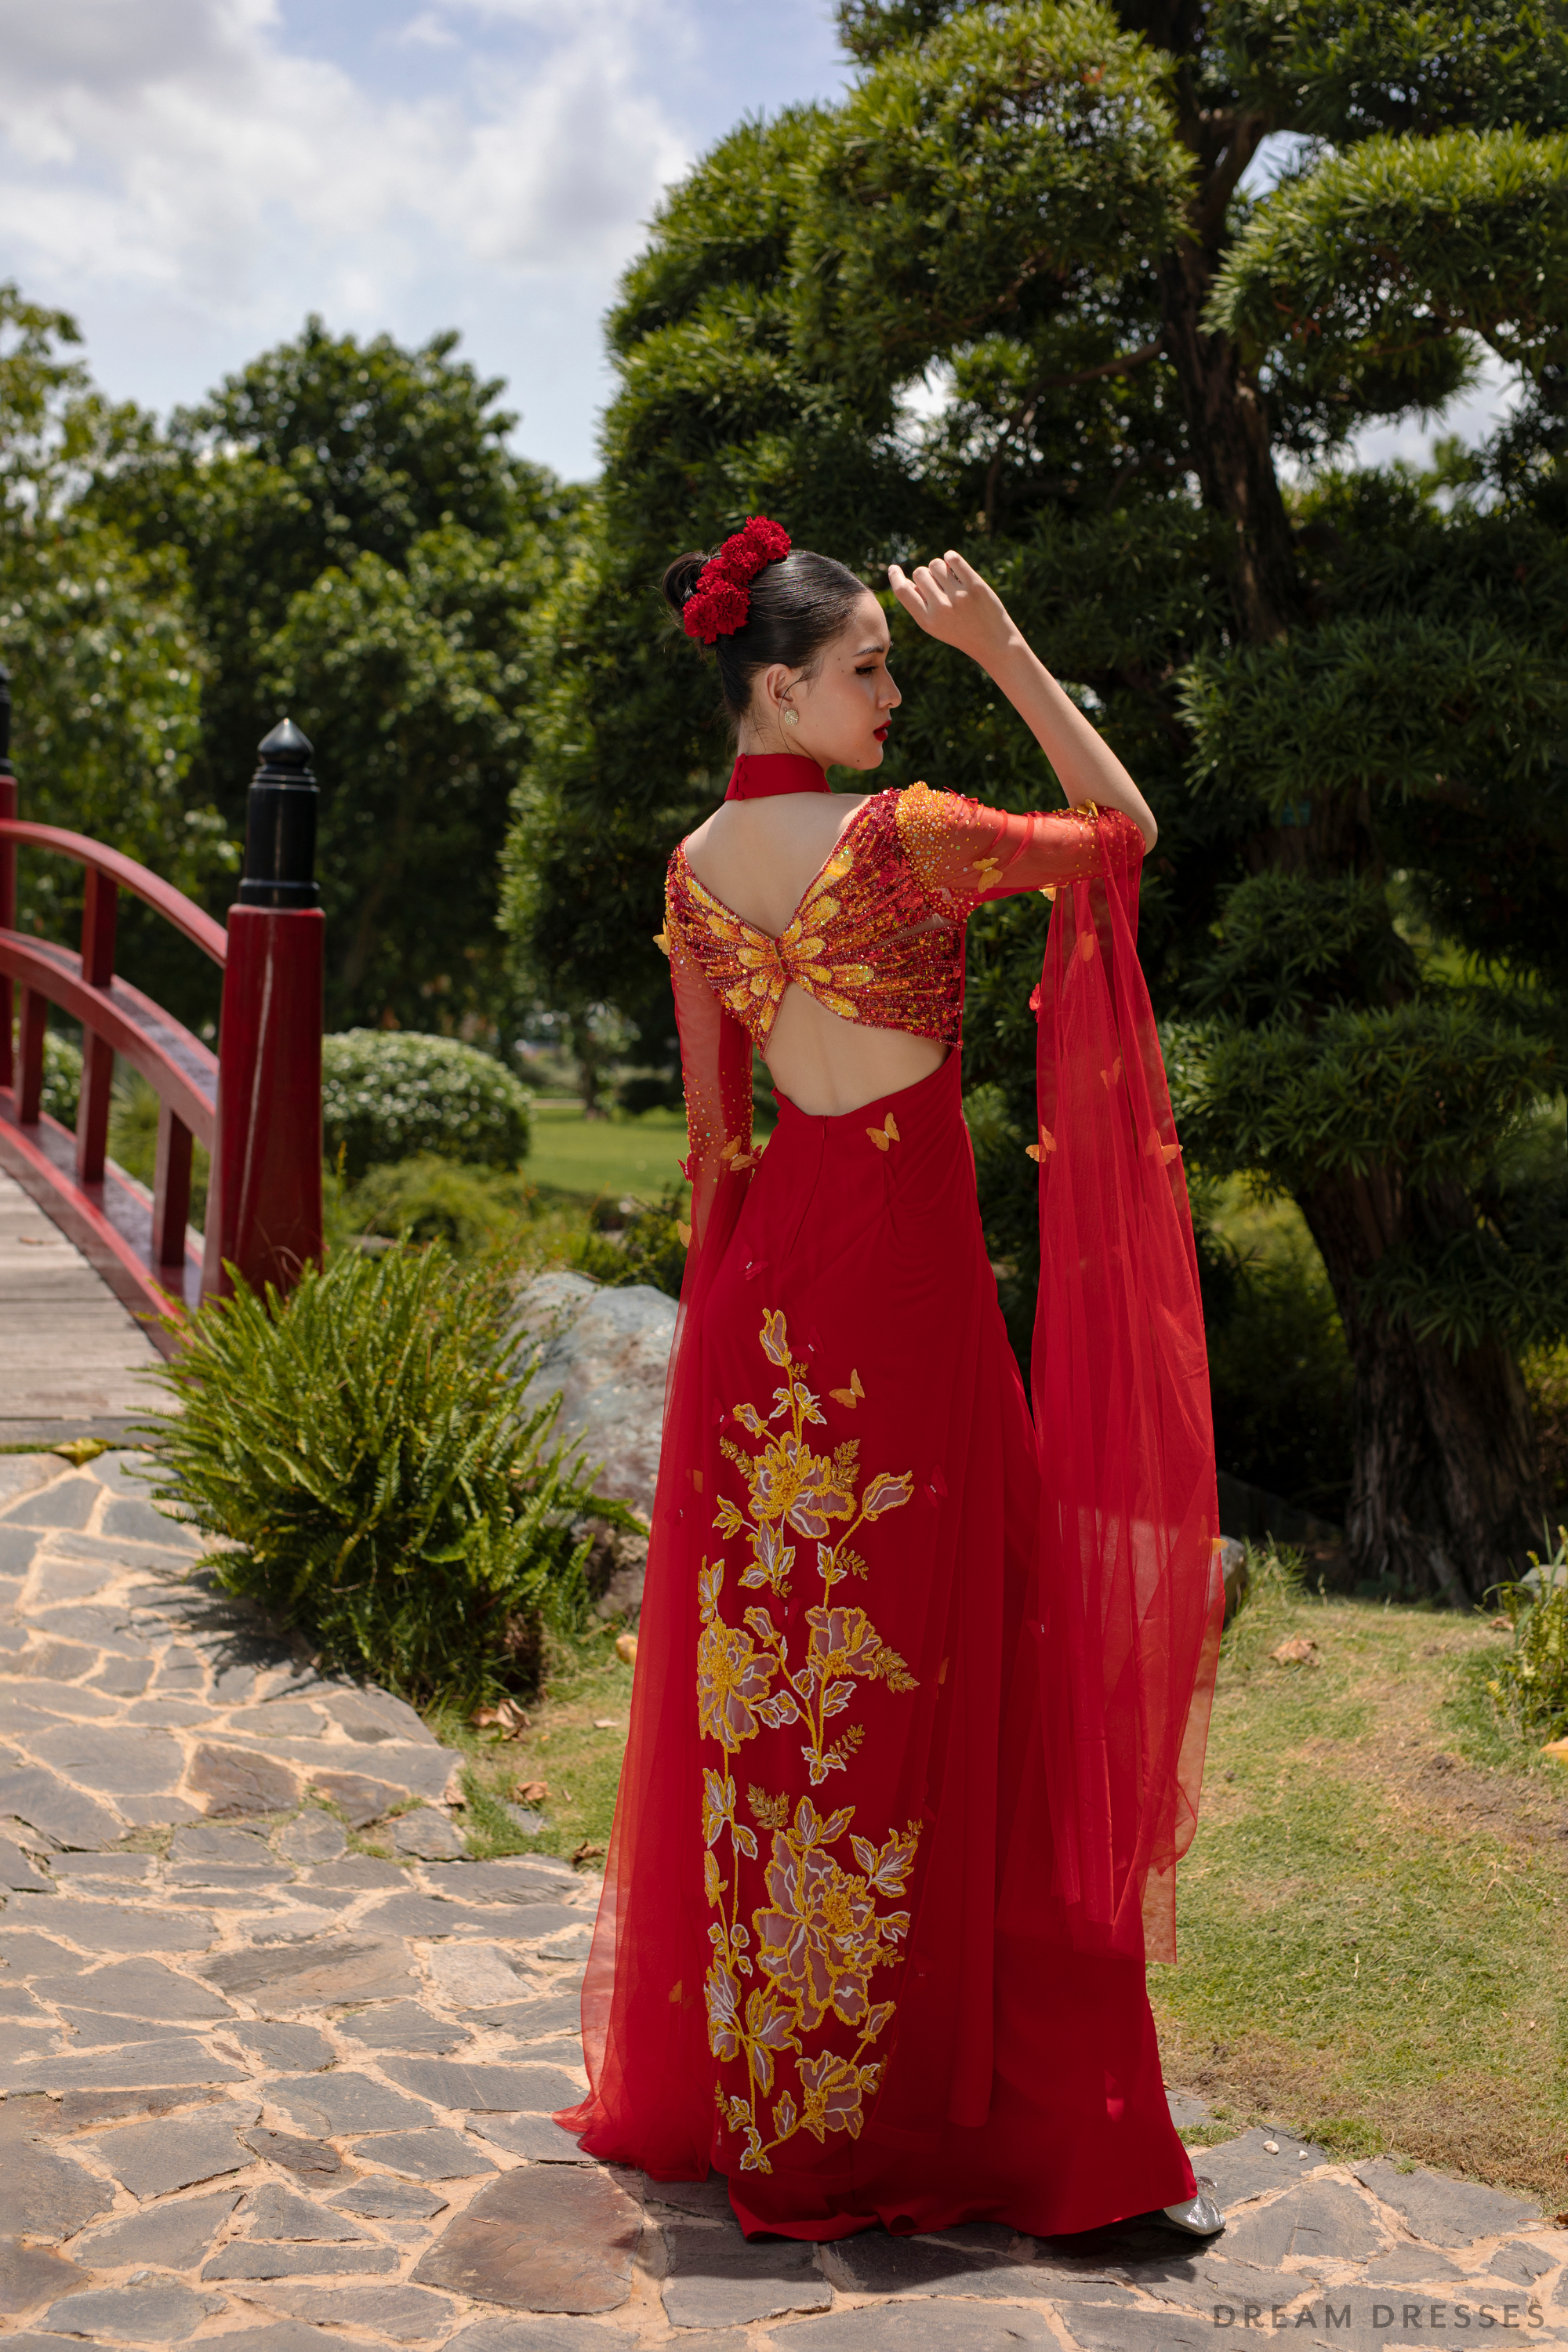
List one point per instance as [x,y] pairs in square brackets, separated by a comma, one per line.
[900,1813]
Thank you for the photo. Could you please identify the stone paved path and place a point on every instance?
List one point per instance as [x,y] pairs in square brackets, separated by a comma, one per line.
[266,2092]
[72,1352]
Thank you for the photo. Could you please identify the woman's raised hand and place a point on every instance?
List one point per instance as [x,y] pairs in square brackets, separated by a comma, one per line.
[951,602]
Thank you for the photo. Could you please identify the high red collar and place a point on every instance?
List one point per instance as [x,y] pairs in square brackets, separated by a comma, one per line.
[760,775]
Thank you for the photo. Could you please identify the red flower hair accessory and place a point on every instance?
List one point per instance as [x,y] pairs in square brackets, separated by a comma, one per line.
[721,600]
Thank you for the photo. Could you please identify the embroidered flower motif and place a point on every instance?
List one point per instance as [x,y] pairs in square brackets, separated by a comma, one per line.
[820,1934]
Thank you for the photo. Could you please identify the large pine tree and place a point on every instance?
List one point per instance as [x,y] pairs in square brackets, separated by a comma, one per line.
[1015,293]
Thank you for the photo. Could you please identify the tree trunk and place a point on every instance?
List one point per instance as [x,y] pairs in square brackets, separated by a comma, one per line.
[1445,1494]
[1231,456]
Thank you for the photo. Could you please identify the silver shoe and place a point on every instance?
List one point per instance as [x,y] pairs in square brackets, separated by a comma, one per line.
[1199,2216]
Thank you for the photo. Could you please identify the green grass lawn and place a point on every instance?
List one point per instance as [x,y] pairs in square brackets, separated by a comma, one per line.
[589,1157]
[1373,1922]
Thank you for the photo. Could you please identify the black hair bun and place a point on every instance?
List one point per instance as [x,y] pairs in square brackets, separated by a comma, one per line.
[680,578]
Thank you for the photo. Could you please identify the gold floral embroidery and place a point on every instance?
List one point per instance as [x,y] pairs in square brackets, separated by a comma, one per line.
[817,1939]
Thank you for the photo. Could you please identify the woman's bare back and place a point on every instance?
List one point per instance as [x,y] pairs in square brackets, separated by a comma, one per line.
[760,858]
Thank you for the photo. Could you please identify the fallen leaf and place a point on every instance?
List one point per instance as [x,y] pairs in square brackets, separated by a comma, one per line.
[531,1792]
[587,1851]
[506,1716]
[626,1649]
[1557,1750]
[452,1794]
[79,1449]
[608,1722]
[1502,1624]
[1295,1652]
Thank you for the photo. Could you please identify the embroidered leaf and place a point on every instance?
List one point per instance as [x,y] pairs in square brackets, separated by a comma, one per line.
[751,1421]
[836,1698]
[886,1492]
[812,1828]
[850,1560]
[722,1996]
[768,1812]
[894,1671]
[809,1408]
[762,1625]
[727,1518]
[742,1840]
[753,2159]
[864,1854]
[718,1804]
[878,2019]
[778,1710]
[709,1582]
[785,2118]
[713,1881]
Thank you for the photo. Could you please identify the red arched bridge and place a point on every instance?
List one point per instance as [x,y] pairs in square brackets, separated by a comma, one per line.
[254,1106]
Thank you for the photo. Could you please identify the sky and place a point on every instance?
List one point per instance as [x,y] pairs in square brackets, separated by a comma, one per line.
[190,178]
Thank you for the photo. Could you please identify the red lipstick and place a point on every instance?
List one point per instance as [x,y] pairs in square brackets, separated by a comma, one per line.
[880,733]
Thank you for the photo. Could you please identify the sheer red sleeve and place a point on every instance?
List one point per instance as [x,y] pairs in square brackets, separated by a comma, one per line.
[1131,1595]
[716,1074]
[964,852]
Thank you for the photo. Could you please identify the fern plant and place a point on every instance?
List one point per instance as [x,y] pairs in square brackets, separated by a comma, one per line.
[359,1449]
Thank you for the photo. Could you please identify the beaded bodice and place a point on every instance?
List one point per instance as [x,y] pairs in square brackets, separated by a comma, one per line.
[878,936]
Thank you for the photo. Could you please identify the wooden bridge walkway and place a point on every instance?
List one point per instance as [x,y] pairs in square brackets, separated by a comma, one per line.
[71,1357]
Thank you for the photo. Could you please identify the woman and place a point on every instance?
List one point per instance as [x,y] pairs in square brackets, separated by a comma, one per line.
[918,1723]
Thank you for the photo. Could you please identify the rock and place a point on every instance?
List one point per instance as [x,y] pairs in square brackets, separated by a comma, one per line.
[243,2258]
[312,1836]
[544,2237]
[875,2263]
[274,2211]
[449,2083]
[42,2192]
[616,1569]
[1520,2264]
[537,2137]
[1241,2167]
[426,1834]
[706,2200]
[343,2102]
[403,2025]
[959,2328]
[526,1878]
[360,1800]
[306,2157]
[315,1971]
[530,2020]
[205,1842]
[179,2063]
[232,1783]
[1443,2213]
[470,1974]
[389,2201]
[148,2311]
[352,1872]
[1187,2109]
[31,2276]
[285,2045]
[46,1802]
[716,2279]
[607,1353]
[80,2109]
[531,2334]
[137,1988]
[1318,2220]
[154,2159]
[174,2237]
[121,1927]
[405,2313]
[435,2153]
[68,1503]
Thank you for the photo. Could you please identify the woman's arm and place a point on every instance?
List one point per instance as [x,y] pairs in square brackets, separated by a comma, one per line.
[953,603]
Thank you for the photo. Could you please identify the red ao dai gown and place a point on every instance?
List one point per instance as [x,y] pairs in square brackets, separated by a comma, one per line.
[922,1688]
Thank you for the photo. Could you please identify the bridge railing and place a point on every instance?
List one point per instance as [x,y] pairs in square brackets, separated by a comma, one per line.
[254,1106]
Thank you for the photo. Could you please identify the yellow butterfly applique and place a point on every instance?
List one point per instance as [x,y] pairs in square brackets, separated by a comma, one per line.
[850,1396]
[885,1134]
[1047,1143]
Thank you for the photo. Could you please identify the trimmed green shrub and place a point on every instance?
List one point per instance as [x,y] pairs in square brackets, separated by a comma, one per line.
[62,1078]
[361,1445]
[426,1199]
[391,1094]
